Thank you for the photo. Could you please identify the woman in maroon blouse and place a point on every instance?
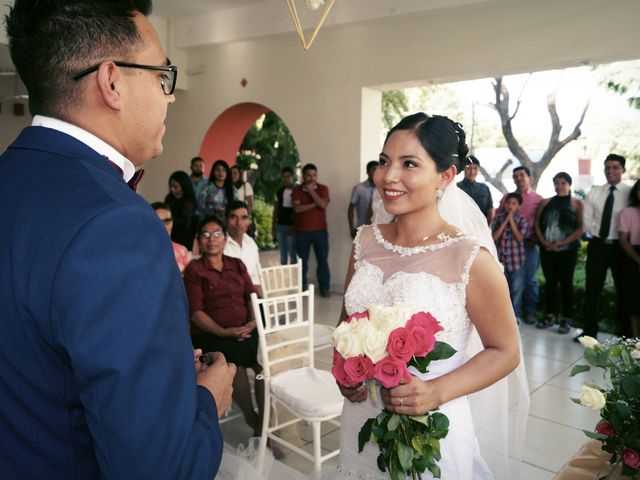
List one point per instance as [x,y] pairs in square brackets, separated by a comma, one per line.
[219,290]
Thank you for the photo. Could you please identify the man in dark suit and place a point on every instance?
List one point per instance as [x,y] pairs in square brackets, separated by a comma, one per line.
[96,367]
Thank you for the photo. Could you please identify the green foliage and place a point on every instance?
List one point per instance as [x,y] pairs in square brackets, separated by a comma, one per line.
[267,147]
[408,445]
[618,428]
[263,216]
[394,106]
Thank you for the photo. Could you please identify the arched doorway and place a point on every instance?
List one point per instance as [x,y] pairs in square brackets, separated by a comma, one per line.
[224,136]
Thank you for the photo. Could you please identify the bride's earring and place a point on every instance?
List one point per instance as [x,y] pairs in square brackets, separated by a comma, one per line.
[439,193]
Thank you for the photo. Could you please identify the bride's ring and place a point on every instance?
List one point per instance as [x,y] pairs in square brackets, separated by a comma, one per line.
[402,401]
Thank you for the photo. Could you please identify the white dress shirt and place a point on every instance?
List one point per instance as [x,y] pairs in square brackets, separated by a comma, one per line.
[90,140]
[248,253]
[594,204]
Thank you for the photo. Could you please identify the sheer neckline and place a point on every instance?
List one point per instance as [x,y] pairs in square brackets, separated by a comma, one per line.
[444,241]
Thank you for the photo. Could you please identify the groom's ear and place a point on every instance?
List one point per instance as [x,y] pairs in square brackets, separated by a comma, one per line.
[447,176]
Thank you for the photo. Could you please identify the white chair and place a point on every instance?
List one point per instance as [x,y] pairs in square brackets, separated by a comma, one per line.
[285,279]
[286,347]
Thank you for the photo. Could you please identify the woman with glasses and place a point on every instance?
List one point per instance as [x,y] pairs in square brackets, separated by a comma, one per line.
[183,256]
[219,288]
[215,197]
[182,201]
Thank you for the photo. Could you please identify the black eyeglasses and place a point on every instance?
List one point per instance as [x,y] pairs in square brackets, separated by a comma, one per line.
[168,81]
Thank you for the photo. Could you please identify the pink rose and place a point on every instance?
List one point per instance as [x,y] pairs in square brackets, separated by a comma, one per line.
[423,340]
[631,458]
[357,316]
[338,370]
[401,344]
[391,372]
[425,320]
[605,428]
[358,369]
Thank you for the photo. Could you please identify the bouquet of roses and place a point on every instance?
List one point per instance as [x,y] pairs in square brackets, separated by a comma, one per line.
[379,345]
[618,400]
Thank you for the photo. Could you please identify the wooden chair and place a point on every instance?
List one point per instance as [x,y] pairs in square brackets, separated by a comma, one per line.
[286,347]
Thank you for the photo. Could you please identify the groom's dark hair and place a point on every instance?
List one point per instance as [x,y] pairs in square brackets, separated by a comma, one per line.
[50,41]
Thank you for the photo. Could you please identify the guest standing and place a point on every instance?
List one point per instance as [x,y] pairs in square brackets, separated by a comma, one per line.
[601,207]
[284,219]
[182,201]
[361,200]
[478,191]
[244,190]
[198,179]
[215,197]
[629,234]
[310,201]
[558,227]
[530,202]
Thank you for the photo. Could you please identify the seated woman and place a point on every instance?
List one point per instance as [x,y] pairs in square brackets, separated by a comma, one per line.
[219,289]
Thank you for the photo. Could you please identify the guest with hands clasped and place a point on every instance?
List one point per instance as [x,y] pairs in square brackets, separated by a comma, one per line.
[219,289]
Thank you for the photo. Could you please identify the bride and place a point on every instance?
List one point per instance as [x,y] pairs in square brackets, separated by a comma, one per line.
[443,264]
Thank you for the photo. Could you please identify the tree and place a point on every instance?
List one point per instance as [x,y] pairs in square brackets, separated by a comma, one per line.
[394,106]
[556,144]
[267,147]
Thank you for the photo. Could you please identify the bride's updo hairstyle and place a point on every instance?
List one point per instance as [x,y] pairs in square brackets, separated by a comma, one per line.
[441,137]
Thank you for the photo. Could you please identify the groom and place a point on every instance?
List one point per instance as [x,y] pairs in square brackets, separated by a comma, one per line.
[96,365]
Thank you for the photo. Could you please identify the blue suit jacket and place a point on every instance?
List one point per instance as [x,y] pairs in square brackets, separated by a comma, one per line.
[96,367]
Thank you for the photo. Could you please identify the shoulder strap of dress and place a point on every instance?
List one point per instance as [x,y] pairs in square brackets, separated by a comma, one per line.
[357,242]
[475,248]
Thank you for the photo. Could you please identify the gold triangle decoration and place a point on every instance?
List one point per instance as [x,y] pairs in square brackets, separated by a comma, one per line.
[296,22]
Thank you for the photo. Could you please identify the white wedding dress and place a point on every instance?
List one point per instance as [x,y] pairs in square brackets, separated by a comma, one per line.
[430,278]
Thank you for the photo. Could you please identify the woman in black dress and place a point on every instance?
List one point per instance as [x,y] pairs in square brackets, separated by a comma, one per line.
[182,201]
[558,226]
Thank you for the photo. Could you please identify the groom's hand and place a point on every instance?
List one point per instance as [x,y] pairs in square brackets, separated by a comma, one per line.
[218,379]
[354,394]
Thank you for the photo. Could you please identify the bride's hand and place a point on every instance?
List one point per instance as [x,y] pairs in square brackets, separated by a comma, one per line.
[414,398]
[355,394]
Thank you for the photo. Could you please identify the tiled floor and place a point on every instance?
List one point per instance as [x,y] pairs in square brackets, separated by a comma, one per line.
[554,429]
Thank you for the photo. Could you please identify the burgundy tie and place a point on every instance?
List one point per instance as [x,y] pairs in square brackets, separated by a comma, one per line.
[135,180]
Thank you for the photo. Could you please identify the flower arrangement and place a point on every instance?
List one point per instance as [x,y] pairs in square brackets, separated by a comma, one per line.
[618,400]
[380,345]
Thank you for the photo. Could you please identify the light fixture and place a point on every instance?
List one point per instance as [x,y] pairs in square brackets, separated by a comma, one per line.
[312,5]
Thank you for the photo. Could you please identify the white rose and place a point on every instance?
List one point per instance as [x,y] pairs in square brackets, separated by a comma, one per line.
[638,346]
[592,398]
[387,318]
[346,342]
[588,342]
[635,354]
[375,345]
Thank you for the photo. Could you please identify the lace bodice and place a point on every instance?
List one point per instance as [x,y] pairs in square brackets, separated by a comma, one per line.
[430,278]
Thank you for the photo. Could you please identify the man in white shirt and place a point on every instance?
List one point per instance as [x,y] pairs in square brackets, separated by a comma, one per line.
[601,210]
[239,244]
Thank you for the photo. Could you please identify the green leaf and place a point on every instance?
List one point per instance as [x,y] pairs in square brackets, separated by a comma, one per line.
[405,456]
[435,470]
[441,351]
[377,432]
[576,400]
[420,363]
[365,434]
[381,463]
[579,369]
[440,424]
[595,435]
[423,419]
[631,386]
[596,357]
[394,421]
